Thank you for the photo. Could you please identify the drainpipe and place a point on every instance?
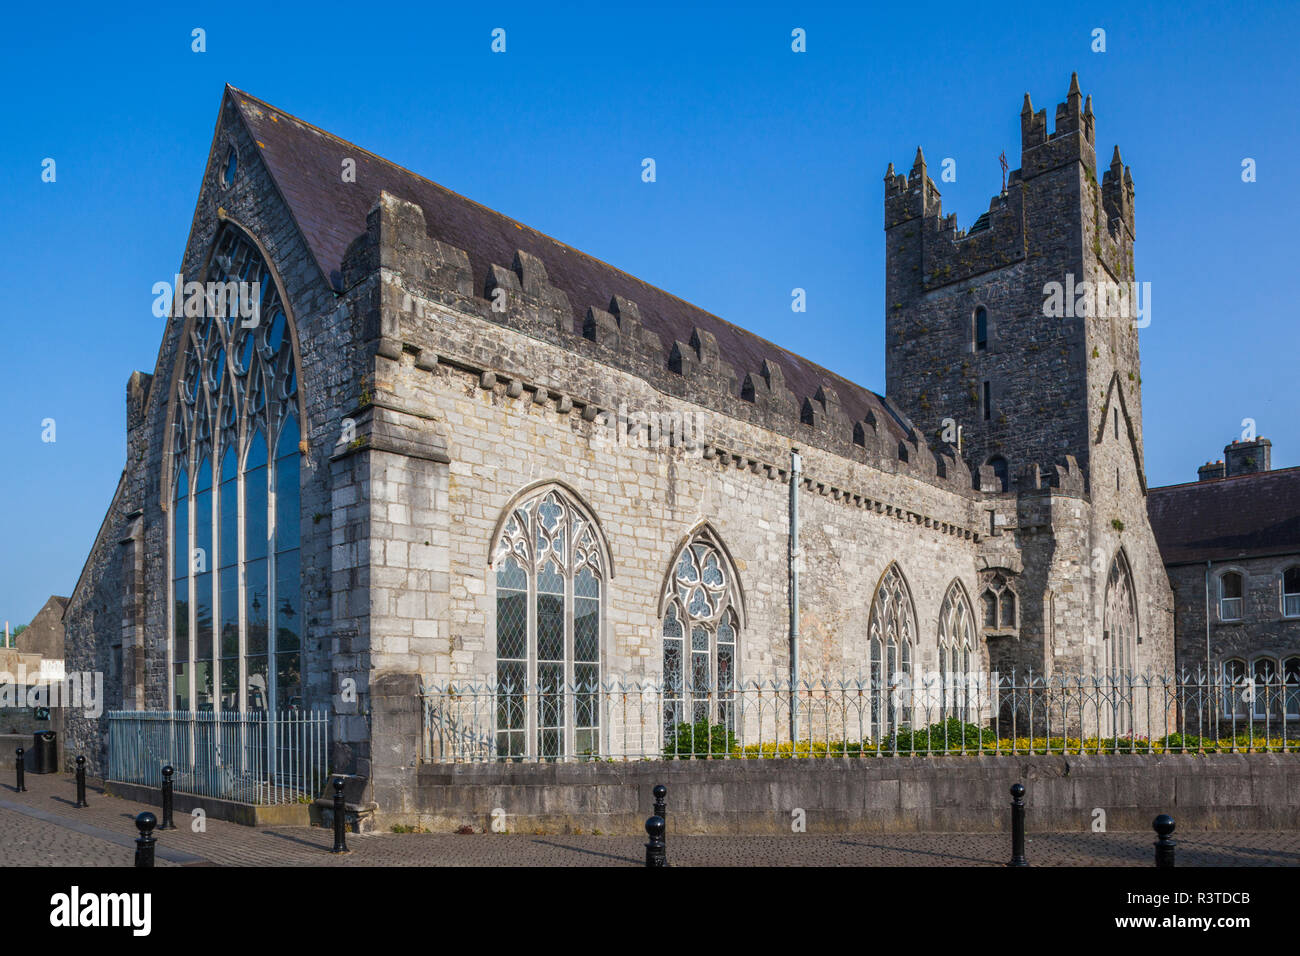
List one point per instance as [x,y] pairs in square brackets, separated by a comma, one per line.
[796,475]
[1207,620]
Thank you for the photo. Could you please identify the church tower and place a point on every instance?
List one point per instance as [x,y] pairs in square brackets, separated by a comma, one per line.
[1019,337]
[975,337]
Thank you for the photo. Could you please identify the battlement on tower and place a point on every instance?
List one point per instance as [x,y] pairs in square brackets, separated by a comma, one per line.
[927,250]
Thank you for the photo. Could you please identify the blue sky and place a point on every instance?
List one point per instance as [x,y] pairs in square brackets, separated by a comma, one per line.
[770,168]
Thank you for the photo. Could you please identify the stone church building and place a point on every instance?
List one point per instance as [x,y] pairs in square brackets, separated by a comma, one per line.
[423,443]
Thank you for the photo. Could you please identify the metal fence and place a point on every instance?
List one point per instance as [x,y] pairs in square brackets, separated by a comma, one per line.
[256,757]
[935,714]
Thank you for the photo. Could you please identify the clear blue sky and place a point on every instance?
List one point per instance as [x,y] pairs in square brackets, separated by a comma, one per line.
[770,168]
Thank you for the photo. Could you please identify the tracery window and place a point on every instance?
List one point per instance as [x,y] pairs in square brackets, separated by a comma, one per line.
[235,584]
[998,604]
[1120,623]
[701,633]
[549,573]
[891,632]
[956,641]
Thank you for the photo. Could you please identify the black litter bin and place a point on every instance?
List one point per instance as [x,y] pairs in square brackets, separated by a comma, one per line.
[45,754]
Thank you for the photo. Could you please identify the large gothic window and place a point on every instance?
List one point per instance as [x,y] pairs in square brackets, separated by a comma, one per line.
[236,623]
[1120,625]
[549,573]
[891,632]
[956,641]
[701,629]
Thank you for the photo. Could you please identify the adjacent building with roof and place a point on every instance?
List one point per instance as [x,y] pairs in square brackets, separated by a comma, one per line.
[1231,544]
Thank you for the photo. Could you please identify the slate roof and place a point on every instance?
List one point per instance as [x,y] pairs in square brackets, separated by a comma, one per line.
[1227,518]
[305,161]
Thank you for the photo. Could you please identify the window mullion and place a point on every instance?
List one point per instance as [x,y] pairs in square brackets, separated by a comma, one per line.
[569,709]
[532,697]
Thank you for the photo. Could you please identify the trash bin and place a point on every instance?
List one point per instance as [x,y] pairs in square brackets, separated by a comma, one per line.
[45,753]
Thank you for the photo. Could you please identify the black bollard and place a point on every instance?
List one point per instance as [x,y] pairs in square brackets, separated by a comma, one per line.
[1164,826]
[167,823]
[1018,826]
[656,853]
[22,784]
[81,782]
[340,819]
[145,841]
[661,802]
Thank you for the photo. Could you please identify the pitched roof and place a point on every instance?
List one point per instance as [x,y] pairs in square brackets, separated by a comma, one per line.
[1227,518]
[305,161]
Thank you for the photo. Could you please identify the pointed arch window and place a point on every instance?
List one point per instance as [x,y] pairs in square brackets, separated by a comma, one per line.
[701,636]
[998,604]
[236,594]
[891,633]
[956,642]
[550,572]
[1120,625]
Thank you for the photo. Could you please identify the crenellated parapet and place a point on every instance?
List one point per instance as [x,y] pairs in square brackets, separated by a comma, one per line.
[700,361]
[1117,197]
[614,332]
[1071,140]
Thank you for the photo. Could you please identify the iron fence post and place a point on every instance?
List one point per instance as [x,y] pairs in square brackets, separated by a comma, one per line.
[144,843]
[81,783]
[18,768]
[656,853]
[1164,826]
[340,819]
[661,805]
[1018,826]
[167,823]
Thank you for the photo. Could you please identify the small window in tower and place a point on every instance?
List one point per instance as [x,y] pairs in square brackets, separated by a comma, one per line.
[981,329]
[1117,421]
[232,165]
[988,402]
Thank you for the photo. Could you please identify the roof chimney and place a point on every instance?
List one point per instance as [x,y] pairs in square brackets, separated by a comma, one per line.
[1248,457]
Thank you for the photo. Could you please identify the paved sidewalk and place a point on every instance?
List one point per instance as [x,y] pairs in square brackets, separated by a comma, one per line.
[43,828]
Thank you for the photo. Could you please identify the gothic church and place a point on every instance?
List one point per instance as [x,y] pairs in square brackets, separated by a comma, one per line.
[448,449]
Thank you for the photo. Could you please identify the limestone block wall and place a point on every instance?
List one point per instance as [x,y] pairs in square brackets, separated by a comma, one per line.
[523,423]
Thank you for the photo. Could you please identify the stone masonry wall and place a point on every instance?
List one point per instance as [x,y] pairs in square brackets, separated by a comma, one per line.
[1263,631]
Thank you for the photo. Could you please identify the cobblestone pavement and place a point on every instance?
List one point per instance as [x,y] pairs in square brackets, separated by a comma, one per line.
[42,827]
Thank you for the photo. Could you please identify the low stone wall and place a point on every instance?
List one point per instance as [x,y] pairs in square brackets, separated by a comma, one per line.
[884,795]
[184,804]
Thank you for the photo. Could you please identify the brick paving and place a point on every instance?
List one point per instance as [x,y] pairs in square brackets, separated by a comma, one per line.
[43,828]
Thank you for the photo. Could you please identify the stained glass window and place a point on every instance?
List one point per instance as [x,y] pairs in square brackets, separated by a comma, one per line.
[549,572]
[1120,626]
[891,632]
[956,641]
[700,638]
[236,593]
